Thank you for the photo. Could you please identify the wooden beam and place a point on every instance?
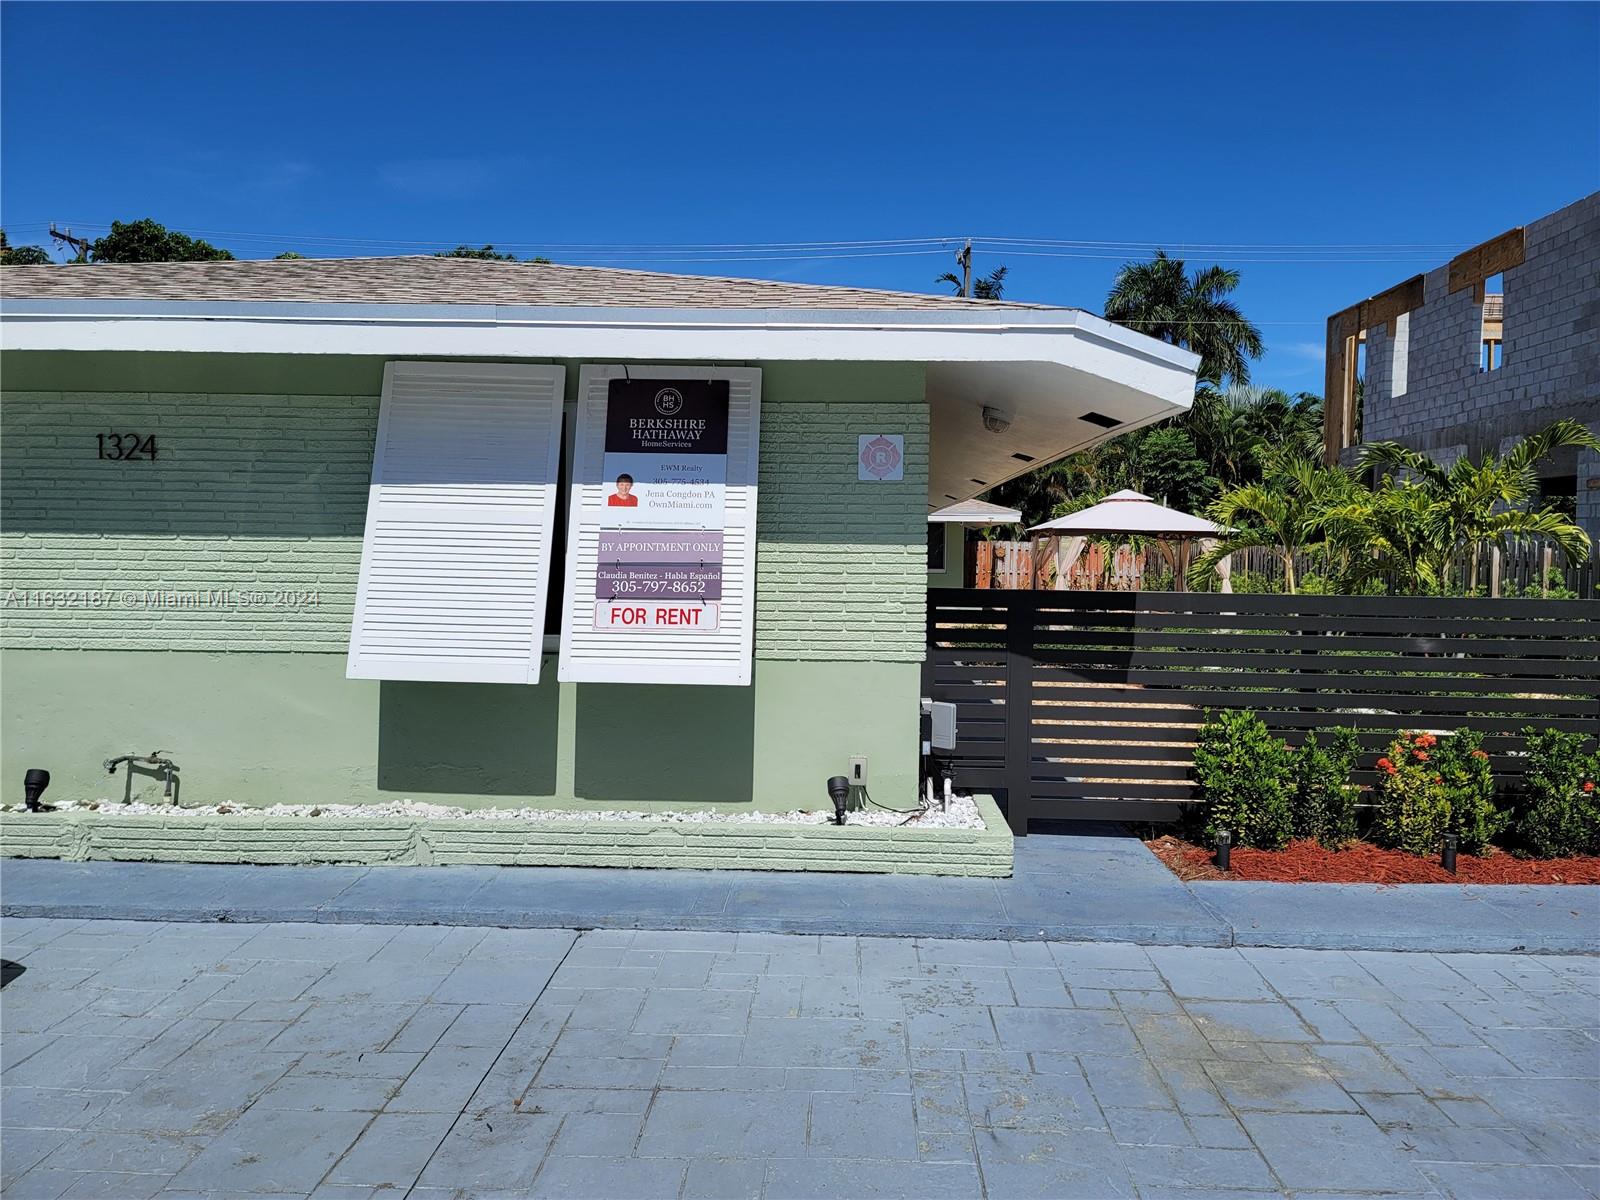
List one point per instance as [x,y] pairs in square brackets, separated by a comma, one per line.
[1335,431]
[1345,330]
[1490,258]
[1383,308]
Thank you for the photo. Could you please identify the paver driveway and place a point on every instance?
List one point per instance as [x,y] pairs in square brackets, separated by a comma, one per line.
[364,1061]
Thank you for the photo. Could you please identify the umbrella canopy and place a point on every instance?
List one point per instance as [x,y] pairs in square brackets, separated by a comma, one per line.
[1130,512]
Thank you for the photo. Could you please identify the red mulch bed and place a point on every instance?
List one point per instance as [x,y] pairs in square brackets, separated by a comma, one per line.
[1362,862]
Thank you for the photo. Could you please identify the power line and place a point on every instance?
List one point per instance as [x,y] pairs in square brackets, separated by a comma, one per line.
[1079,248]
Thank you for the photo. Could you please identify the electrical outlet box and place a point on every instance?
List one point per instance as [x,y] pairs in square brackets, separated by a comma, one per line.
[858,772]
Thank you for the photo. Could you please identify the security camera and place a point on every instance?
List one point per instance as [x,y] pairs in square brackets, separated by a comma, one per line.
[994,420]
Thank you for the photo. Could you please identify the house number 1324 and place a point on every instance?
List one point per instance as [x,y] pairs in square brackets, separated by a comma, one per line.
[126,447]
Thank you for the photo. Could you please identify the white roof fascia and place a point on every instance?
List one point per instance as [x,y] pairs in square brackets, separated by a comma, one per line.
[962,334]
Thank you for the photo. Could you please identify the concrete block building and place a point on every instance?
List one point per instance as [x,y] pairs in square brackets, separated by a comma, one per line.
[346,530]
[1479,352]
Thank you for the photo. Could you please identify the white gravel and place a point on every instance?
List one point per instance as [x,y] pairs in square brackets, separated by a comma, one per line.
[962,813]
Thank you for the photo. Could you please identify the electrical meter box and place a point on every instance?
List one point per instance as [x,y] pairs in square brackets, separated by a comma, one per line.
[942,725]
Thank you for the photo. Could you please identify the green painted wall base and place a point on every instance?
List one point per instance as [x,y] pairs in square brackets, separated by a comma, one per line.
[258,729]
[79,836]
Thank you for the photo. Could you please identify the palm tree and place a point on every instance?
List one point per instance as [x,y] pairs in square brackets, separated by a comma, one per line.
[1384,537]
[1224,435]
[1285,511]
[1470,505]
[1290,423]
[985,287]
[1159,298]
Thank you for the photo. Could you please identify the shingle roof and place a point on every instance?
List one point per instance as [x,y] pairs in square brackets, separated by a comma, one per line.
[430,280]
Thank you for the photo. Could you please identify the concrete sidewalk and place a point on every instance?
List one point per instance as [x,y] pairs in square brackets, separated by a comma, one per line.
[1067,887]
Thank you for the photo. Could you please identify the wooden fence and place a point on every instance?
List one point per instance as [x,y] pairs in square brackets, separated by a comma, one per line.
[1525,568]
[1084,705]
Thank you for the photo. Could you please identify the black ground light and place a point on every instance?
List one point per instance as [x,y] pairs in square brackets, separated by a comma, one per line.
[1224,848]
[34,782]
[838,792]
[1447,853]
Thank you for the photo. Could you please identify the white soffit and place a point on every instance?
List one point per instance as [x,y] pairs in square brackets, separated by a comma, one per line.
[1046,405]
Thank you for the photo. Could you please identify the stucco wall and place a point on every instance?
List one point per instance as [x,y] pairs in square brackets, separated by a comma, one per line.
[955,550]
[260,487]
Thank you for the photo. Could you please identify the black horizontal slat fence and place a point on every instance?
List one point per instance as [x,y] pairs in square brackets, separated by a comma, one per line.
[1084,705]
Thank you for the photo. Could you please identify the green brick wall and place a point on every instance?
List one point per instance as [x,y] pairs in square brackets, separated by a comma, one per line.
[841,564]
[248,493]
[259,495]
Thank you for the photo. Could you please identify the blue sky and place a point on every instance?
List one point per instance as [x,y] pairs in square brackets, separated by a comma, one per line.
[333,129]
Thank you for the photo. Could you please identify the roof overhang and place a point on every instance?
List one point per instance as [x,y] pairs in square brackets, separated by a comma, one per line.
[1041,369]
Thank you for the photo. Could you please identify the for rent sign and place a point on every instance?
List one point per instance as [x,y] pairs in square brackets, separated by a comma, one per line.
[666,473]
[687,618]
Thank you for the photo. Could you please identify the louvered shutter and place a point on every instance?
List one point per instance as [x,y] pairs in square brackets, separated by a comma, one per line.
[455,565]
[720,656]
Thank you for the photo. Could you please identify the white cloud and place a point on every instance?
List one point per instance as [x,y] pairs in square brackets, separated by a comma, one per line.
[1313,350]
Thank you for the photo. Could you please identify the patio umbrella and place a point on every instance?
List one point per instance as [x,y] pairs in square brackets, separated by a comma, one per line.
[1130,512]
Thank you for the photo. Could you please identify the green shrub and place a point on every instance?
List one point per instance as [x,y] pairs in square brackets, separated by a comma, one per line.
[1413,813]
[1246,779]
[1559,809]
[1324,798]
[1468,790]
[1555,588]
[1245,583]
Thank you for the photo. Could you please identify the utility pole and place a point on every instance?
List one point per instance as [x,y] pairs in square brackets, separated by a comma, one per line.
[964,258]
[78,244]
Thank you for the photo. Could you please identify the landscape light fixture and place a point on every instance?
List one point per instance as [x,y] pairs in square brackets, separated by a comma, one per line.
[1447,855]
[34,782]
[1224,849]
[838,792]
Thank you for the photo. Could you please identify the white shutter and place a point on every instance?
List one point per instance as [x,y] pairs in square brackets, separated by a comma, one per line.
[455,565]
[720,656]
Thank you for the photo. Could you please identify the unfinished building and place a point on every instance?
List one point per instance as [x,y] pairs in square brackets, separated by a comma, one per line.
[1480,352]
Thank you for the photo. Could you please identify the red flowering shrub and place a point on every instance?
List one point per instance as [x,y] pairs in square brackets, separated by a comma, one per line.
[1413,812]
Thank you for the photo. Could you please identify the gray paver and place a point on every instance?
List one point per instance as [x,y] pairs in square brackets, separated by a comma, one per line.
[1021,1165]
[616,1178]
[273,1150]
[725,1065]
[732,1124]
[491,1157]
[862,1125]
[393,1149]
[1326,1151]
[847,1180]
[1477,1181]
[724,1179]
